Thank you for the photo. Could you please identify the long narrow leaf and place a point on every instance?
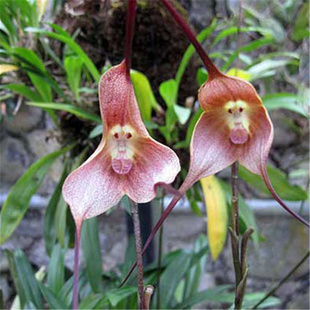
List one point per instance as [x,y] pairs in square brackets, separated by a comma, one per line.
[17,202]
[68,108]
[27,279]
[92,254]
[52,300]
[74,46]
[49,218]
[56,270]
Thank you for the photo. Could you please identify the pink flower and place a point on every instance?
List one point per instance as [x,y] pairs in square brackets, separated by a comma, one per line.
[127,161]
[235,126]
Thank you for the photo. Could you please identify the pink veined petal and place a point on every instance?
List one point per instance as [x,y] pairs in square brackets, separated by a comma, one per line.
[118,104]
[153,163]
[265,177]
[93,188]
[255,151]
[211,149]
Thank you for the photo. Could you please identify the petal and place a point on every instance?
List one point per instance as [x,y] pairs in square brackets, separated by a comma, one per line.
[153,163]
[218,91]
[118,104]
[93,188]
[211,149]
[265,177]
[255,151]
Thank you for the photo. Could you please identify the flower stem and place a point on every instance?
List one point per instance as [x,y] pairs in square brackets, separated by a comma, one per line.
[160,248]
[239,260]
[137,232]
[290,273]
[130,24]
[213,71]
[75,303]
[172,204]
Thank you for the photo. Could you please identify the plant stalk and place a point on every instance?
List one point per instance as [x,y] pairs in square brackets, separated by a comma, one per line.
[240,264]
[155,229]
[213,71]
[160,248]
[75,303]
[130,24]
[137,232]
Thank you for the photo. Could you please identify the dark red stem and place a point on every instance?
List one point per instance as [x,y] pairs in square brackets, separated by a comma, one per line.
[136,226]
[130,24]
[75,304]
[279,200]
[213,71]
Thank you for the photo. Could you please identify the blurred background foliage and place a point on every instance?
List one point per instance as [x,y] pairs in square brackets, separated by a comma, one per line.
[52,58]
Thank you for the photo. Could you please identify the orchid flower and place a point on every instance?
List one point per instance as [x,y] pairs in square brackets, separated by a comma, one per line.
[235,126]
[127,161]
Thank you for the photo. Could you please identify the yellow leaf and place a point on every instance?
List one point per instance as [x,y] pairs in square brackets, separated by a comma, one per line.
[239,73]
[7,68]
[41,4]
[216,214]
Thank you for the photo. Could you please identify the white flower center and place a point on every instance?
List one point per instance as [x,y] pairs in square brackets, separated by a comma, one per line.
[121,148]
[238,121]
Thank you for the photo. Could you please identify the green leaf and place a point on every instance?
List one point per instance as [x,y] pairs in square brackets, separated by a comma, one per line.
[182,113]
[17,202]
[41,85]
[92,254]
[117,295]
[202,76]
[30,306]
[16,280]
[27,279]
[284,101]
[74,46]
[91,301]
[301,24]
[7,21]
[259,70]
[219,293]
[56,270]
[73,67]
[193,276]
[52,300]
[234,30]
[68,108]
[171,278]
[97,131]
[190,51]
[190,129]
[60,221]
[279,181]
[250,300]
[246,214]
[144,94]
[23,90]
[49,218]
[168,91]
[254,45]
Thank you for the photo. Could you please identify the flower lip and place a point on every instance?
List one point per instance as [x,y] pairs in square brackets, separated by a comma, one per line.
[238,121]
[121,146]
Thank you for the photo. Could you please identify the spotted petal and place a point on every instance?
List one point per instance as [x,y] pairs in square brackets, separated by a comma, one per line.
[93,188]
[211,149]
[156,164]
[127,161]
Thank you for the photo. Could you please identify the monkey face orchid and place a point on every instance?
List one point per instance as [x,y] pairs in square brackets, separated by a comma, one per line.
[235,126]
[127,161]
